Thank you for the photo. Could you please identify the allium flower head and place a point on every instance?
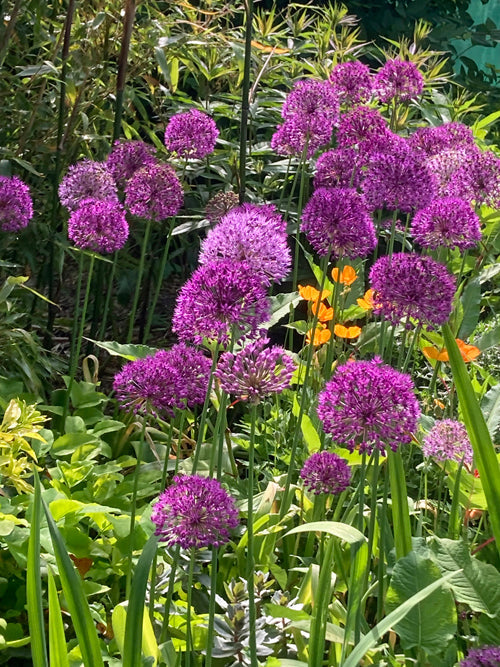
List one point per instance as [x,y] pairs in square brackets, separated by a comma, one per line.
[87,180]
[175,378]
[218,297]
[486,656]
[98,225]
[256,371]
[301,133]
[398,79]
[194,512]
[448,441]
[336,221]
[192,134]
[338,168]
[251,233]
[127,157]
[154,192]
[361,126]
[433,140]
[478,180]
[410,286]
[220,204]
[443,166]
[368,404]
[325,472]
[448,222]
[312,98]
[352,80]
[16,205]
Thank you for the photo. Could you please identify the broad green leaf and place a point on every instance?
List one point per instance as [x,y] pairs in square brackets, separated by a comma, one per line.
[34,584]
[280,307]
[490,405]
[400,511]
[57,641]
[130,352]
[310,434]
[471,302]
[341,530]
[489,339]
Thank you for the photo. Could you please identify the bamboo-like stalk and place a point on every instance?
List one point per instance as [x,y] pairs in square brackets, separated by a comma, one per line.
[128,22]
[245,98]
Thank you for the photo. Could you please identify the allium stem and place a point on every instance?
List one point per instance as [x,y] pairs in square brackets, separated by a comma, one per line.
[170,593]
[133,506]
[189,636]
[140,272]
[245,106]
[250,555]
[152,307]
[204,412]
[107,303]
[211,607]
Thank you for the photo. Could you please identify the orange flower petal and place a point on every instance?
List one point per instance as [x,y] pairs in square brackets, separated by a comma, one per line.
[346,332]
[310,293]
[347,276]
[324,314]
[366,303]
[434,353]
[321,335]
[468,352]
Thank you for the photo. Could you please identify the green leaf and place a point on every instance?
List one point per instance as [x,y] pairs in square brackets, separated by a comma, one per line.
[471,302]
[34,585]
[430,624]
[311,437]
[69,442]
[400,511]
[490,406]
[57,641]
[130,352]
[341,530]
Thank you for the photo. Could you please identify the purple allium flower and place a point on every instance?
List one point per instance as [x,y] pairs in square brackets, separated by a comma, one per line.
[220,204]
[361,126]
[312,98]
[410,286]
[16,205]
[127,157]
[448,222]
[87,180]
[256,371]
[175,378]
[352,80]
[399,180]
[398,79]
[369,404]
[300,133]
[338,168]
[433,140]
[218,297]
[444,164]
[154,192]
[191,134]
[448,441]
[478,180]
[486,656]
[336,221]
[251,233]
[325,472]
[98,225]
[194,512]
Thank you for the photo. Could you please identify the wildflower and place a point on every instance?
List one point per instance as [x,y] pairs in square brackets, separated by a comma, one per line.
[335,220]
[169,379]
[360,126]
[194,512]
[478,180]
[486,656]
[127,157]
[321,335]
[448,441]
[87,180]
[16,205]
[154,192]
[337,168]
[325,472]
[398,79]
[323,313]
[220,204]
[309,293]
[368,404]
[218,297]
[468,352]
[347,275]
[434,140]
[191,134]
[448,222]
[410,286]
[352,81]
[256,371]
[346,332]
[253,234]
[366,302]
[435,354]
[98,225]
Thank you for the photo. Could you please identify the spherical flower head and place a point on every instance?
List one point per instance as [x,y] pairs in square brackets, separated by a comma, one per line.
[194,512]
[87,180]
[478,180]
[448,441]
[433,140]
[220,204]
[448,222]
[398,79]
[368,404]
[169,379]
[352,81]
[409,286]
[16,205]
[444,164]
[251,233]
[312,98]
[486,656]
[325,472]
[301,133]
[338,168]
[336,221]
[219,297]
[98,225]
[360,126]
[191,134]
[154,192]
[127,157]
[255,371]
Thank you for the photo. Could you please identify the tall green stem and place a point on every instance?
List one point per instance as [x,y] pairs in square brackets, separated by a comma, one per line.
[251,555]
[245,106]
[152,307]
[140,272]
[128,22]
[133,509]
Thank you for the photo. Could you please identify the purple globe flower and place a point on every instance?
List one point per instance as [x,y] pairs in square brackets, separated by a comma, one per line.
[192,134]
[353,81]
[368,404]
[220,204]
[339,167]
[448,441]
[336,221]
[409,286]
[433,140]
[312,98]
[486,656]
[398,79]
[127,157]
[443,166]
[194,512]
[301,133]
[360,127]
[325,472]
[478,180]
[154,192]
[256,371]
[98,225]
[448,222]
[219,297]
[251,233]
[87,180]
[175,378]
[16,205]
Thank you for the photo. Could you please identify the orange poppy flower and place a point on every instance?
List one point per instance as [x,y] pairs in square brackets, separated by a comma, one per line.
[310,293]
[324,313]
[434,353]
[346,332]
[468,352]
[347,276]
[366,303]
[321,335]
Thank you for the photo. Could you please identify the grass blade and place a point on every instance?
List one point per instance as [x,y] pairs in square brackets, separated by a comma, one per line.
[400,511]
[57,641]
